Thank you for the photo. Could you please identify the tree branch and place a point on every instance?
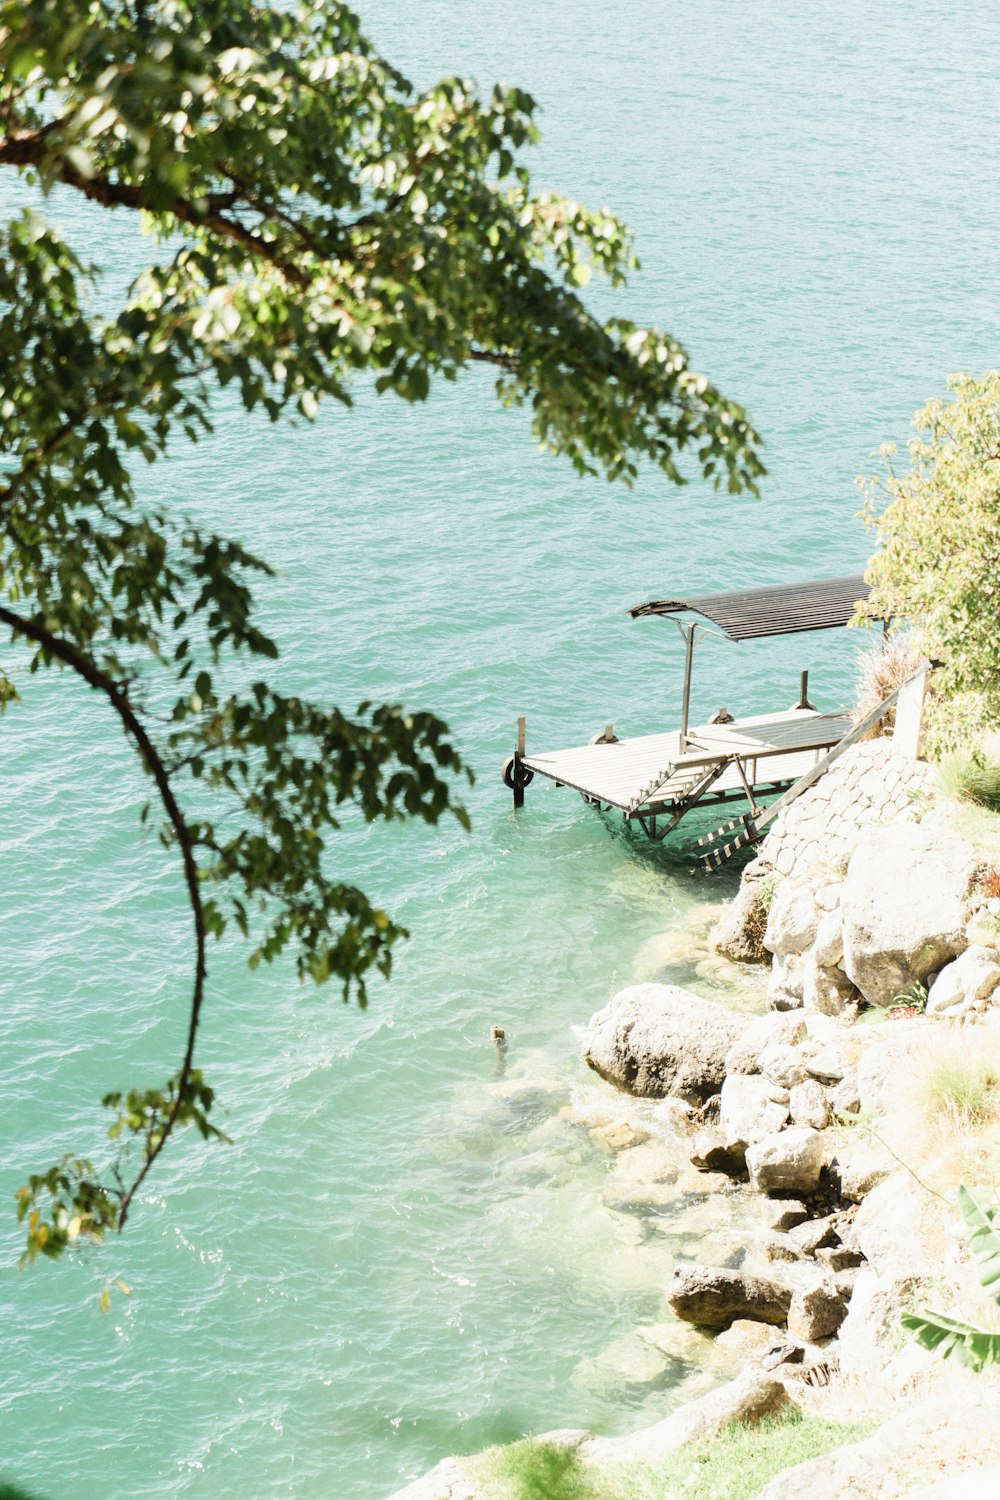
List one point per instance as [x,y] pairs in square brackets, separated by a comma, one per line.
[30,149]
[73,657]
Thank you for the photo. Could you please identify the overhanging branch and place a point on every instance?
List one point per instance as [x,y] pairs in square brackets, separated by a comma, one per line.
[71,656]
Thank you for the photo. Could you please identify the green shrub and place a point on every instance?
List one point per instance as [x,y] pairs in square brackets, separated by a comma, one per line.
[972,777]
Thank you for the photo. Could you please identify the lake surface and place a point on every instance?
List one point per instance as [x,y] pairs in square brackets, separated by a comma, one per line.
[390,1263]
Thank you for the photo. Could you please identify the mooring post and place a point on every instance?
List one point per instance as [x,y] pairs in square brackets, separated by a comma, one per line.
[686,700]
[804,693]
[518,757]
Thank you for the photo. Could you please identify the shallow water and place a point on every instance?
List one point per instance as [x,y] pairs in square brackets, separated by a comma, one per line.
[402,1255]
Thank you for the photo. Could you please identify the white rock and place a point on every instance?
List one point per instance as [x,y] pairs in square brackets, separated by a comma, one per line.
[941,1436]
[903,906]
[829,1064]
[826,991]
[788,1162]
[971,977]
[783,1065]
[890,1230]
[747,1399]
[744,1055]
[791,921]
[752,1107]
[829,944]
[889,1060]
[860,1166]
[784,988]
[807,1105]
[828,898]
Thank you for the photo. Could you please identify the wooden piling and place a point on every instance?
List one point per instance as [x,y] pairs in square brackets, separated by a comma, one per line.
[518,758]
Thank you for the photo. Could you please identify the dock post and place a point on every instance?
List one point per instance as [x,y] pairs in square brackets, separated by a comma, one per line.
[686,700]
[518,757]
[804,692]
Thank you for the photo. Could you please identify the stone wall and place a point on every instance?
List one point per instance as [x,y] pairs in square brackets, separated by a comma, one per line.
[871,783]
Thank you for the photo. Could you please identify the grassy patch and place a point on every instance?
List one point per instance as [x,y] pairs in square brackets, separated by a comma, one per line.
[735,1465]
[972,778]
[961,1086]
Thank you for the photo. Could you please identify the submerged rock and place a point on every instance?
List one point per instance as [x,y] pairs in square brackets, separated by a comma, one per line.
[620,1136]
[657,1039]
[716,1298]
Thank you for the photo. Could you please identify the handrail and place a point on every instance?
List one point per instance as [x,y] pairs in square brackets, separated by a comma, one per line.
[875,716]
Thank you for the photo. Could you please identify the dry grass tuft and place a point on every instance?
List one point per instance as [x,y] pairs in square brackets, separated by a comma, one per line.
[944,1116]
[883,667]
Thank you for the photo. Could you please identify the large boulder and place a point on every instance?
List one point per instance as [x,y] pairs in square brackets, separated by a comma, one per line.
[927,1439]
[657,1039]
[893,1229]
[886,1066]
[903,906]
[716,1298]
[791,1161]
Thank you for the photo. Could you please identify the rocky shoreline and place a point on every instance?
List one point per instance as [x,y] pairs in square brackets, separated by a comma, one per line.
[811,1121]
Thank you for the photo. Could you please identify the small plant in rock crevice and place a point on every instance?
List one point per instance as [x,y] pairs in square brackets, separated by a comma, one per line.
[986,882]
[756,921]
[909,1002]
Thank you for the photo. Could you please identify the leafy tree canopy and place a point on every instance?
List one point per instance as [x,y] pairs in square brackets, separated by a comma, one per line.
[314,219]
[938,559]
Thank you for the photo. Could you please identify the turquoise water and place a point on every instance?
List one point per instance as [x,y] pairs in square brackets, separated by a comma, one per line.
[396,1258]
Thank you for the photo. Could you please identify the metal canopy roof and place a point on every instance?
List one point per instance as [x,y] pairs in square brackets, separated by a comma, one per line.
[780,610]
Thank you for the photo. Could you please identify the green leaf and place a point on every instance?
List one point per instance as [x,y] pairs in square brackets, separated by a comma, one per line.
[984,1242]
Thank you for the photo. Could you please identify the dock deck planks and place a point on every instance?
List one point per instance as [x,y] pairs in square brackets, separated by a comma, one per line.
[650,773]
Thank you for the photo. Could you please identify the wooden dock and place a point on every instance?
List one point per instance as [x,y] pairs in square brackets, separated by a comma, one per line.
[653,781]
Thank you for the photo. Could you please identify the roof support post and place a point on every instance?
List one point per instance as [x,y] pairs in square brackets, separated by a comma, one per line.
[688,631]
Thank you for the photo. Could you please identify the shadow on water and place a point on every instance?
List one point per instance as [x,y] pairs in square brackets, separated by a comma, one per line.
[677,855]
[10,1491]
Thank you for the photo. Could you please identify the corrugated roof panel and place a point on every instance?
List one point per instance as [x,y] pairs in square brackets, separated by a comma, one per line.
[785,609]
